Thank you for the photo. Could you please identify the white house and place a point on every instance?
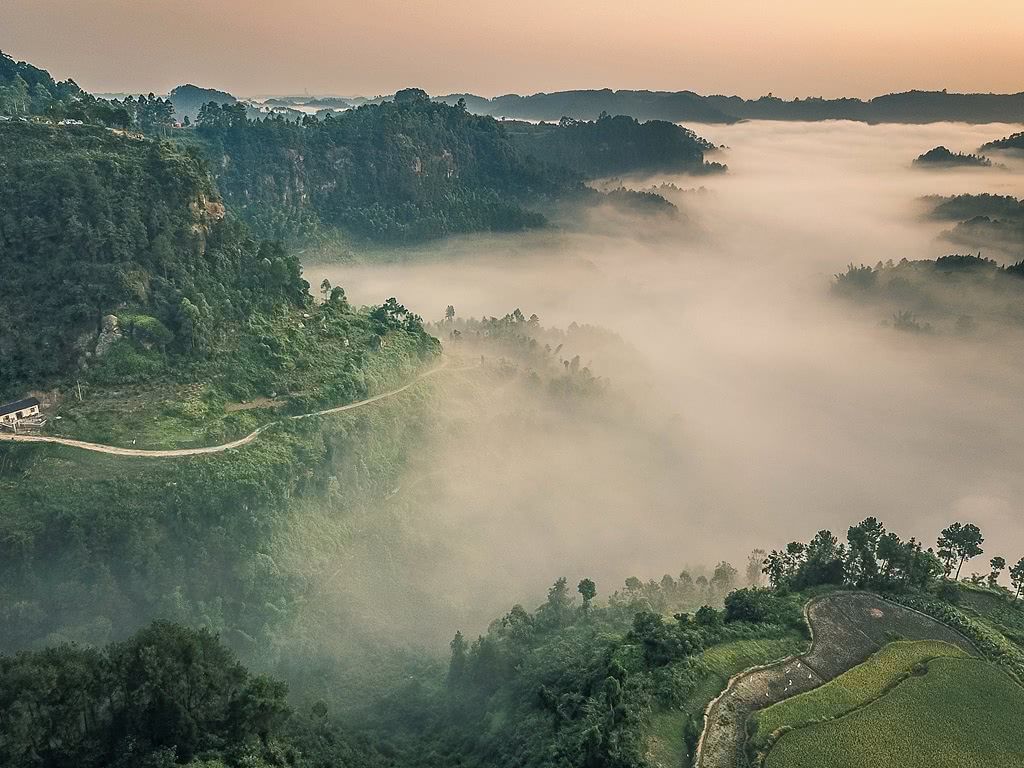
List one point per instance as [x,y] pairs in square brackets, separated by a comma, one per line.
[12,413]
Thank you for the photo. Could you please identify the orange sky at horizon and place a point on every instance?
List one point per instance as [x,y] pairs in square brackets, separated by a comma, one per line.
[745,47]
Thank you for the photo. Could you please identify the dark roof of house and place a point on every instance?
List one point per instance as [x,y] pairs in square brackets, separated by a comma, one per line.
[18,405]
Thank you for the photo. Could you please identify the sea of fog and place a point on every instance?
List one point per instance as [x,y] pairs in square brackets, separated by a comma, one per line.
[790,410]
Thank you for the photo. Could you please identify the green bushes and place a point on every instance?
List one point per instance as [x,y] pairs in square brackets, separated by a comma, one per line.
[763,606]
[992,644]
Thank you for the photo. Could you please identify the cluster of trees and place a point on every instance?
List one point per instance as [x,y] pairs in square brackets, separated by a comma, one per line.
[965,207]
[992,222]
[570,683]
[26,91]
[955,293]
[941,156]
[873,558]
[516,340]
[167,696]
[614,145]
[93,223]
[399,171]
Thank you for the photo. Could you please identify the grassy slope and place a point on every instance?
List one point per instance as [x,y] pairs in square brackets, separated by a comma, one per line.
[854,688]
[965,713]
[666,747]
[292,362]
[92,545]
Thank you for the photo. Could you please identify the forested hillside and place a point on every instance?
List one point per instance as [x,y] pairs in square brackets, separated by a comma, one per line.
[398,171]
[96,223]
[614,145]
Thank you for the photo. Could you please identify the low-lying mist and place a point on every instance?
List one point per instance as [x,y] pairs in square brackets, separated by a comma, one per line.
[747,405]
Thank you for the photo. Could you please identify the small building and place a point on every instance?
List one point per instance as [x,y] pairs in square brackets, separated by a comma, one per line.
[12,413]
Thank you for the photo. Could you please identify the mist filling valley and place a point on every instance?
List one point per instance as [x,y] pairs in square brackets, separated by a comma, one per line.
[747,405]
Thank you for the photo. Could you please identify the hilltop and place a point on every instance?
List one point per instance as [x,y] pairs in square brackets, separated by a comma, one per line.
[189,99]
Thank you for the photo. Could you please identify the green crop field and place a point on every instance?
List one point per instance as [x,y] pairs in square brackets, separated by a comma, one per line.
[964,713]
[854,688]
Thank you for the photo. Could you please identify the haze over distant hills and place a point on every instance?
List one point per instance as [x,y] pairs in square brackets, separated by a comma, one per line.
[679,106]
[909,107]
[915,107]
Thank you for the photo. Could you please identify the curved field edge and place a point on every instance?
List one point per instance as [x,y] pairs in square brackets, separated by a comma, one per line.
[669,730]
[706,719]
[854,688]
[966,712]
[853,624]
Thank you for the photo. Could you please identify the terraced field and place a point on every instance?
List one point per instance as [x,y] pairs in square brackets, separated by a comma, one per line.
[966,713]
[666,748]
[852,689]
[847,629]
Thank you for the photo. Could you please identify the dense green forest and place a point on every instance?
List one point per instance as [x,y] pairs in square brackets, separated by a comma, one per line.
[95,223]
[401,170]
[580,681]
[397,171]
[614,145]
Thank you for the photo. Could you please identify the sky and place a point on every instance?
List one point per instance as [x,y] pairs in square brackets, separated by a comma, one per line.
[745,47]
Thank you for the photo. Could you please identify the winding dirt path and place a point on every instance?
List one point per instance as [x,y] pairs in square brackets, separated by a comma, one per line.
[242,441]
[846,628]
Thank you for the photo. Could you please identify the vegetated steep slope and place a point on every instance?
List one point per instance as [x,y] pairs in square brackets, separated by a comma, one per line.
[146,313]
[95,223]
[398,171]
[614,145]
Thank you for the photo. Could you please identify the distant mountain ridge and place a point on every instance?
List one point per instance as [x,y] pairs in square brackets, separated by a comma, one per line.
[677,106]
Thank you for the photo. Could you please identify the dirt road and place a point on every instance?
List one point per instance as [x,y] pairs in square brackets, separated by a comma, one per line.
[180,452]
